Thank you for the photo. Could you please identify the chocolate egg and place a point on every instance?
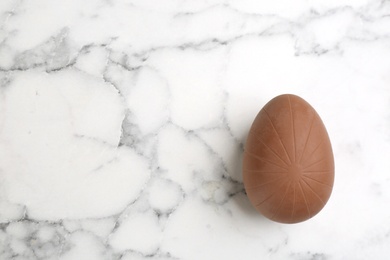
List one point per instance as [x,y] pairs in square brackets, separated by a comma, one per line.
[288,166]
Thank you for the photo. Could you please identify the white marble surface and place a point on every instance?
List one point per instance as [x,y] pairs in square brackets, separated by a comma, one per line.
[122,126]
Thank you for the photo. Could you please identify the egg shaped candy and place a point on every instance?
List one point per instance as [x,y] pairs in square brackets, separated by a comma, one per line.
[288,165]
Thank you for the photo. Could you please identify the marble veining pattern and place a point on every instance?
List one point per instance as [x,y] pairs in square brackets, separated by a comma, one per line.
[122,126]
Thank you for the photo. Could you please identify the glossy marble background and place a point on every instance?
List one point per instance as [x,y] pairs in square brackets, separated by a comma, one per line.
[122,126]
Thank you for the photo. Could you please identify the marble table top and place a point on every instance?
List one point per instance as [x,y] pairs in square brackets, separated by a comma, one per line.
[123,124]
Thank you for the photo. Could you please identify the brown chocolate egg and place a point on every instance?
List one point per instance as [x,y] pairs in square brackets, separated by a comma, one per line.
[288,166]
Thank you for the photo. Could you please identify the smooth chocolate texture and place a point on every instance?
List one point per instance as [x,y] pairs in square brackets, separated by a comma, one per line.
[288,166]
